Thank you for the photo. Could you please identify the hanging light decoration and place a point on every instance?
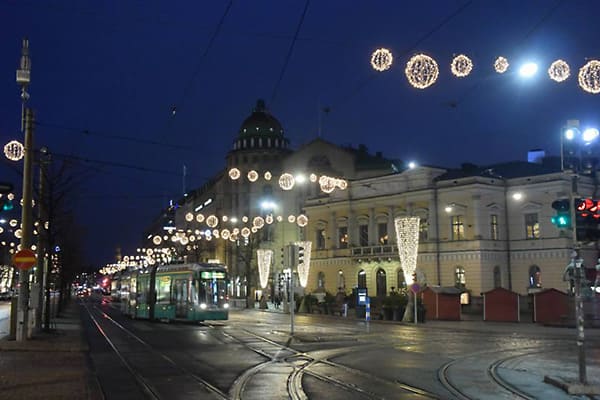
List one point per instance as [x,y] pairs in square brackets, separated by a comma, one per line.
[244,219]
[13,223]
[421,71]
[254,229]
[589,77]
[200,218]
[14,150]
[212,221]
[234,173]
[304,263]
[157,240]
[225,234]
[381,59]
[501,65]
[342,184]
[286,181]
[268,176]
[258,222]
[269,219]
[252,176]
[559,71]
[224,218]
[313,177]
[279,218]
[407,235]
[189,217]
[292,219]
[302,220]
[461,66]
[264,256]
[245,232]
[192,238]
[327,184]
[215,233]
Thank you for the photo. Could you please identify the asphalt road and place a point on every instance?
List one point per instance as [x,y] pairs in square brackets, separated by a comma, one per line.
[253,356]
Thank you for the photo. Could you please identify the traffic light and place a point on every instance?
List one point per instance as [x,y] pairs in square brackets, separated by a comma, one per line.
[6,203]
[562,219]
[300,255]
[587,213]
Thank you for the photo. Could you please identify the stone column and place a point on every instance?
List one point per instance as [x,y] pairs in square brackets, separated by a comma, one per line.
[333,232]
[372,228]
[391,229]
[476,215]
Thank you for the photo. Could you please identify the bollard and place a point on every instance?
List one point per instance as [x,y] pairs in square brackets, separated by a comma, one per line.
[368,310]
[345,310]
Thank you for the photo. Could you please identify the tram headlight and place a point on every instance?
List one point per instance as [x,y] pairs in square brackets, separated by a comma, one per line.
[226,305]
[203,306]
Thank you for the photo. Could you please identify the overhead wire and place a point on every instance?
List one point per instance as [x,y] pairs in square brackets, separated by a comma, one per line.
[289,53]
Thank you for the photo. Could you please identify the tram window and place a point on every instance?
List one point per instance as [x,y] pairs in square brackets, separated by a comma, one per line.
[164,289]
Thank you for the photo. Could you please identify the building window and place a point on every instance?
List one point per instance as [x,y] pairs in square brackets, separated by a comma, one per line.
[460,280]
[535,277]
[497,277]
[458,227]
[532,226]
[321,280]
[341,281]
[363,235]
[382,233]
[494,227]
[320,239]
[423,227]
[401,281]
[343,237]
[362,279]
[381,284]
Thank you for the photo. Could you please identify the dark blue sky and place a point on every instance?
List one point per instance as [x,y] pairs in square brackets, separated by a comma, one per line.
[116,68]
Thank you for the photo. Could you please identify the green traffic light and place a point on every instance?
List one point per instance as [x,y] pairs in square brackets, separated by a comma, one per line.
[561,221]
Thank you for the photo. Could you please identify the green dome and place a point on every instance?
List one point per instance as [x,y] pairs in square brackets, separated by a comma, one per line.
[261,124]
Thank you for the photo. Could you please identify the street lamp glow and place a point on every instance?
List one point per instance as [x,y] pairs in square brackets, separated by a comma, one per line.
[570,134]
[529,69]
[590,134]
[517,196]
[412,165]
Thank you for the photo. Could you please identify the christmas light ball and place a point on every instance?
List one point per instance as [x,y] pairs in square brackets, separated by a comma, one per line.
[192,238]
[225,234]
[302,220]
[245,232]
[279,218]
[313,178]
[189,217]
[156,240]
[252,176]
[244,219]
[342,184]
[258,222]
[269,219]
[286,181]
[215,233]
[234,173]
[381,59]
[212,221]
[200,218]
[421,71]
[14,150]
[254,229]
[327,184]
[461,66]
[268,176]
[501,65]
[224,218]
[589,77]
[559,71]
[292,219]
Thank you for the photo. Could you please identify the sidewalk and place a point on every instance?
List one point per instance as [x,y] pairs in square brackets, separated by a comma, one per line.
[50,365]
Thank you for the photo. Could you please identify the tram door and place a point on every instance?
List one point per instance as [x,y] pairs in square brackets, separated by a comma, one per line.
[181,296]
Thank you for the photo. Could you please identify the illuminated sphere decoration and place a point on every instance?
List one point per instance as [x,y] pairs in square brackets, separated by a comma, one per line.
[559,71]
[589,77]
[245,232]
[461,66]
[244,219]
[342,184]
[212,221]
[157,240]
[268,176]
[258,222]
[286,181]
[501,65]
[292,219]
[381,59]
[14,150]
[200,218]
[254,229]
[302,220]
[269,219]
[234,173]
[225,234]
[313,178]
[327,184]
[189,217]
[279,218]
[421,71]
[252,176]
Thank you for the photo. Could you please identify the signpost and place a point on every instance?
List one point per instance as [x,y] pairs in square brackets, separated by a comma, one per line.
[415,288]
[24,259]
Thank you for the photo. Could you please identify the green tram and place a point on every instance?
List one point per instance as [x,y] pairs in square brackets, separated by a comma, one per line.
[187,292]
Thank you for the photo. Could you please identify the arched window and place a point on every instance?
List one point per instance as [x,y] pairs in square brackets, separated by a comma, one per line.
[535,277]
[321,280]
[362,279]
[381,284]
[401,280]
[497,277]
[460,280]
[341,282]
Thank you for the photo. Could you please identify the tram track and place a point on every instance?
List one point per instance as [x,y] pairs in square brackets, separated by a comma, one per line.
[148,388]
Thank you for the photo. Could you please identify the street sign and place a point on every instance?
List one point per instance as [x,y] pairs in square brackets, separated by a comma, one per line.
[415,288]
[24,259]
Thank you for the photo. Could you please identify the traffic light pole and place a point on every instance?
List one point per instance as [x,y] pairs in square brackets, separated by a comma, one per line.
[577,263]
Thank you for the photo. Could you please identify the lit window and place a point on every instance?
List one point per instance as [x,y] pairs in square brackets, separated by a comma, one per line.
[343,237]
[460,280]
[494,227]
[320,239]
[458,227]
[535,277]
[382,233]
[532,226]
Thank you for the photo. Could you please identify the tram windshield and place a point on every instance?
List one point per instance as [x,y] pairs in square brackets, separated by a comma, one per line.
[211,288]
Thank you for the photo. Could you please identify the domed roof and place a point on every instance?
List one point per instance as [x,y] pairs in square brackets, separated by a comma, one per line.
[261,123]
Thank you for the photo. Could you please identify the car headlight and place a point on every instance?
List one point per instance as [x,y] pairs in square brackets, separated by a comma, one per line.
[203,306]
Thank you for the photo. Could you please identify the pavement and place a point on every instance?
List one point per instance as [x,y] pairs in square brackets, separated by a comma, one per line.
[56,365]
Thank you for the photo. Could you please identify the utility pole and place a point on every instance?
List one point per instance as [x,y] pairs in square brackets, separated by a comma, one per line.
[42,240]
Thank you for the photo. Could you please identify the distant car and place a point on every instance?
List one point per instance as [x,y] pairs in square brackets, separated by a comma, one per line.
[83,292]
